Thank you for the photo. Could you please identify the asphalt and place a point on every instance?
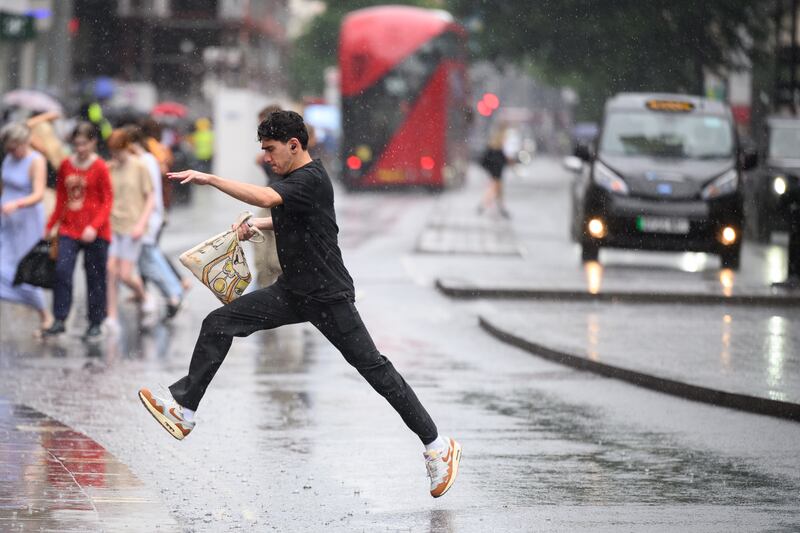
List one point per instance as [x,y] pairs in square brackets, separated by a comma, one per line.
[58,479]
[736,346]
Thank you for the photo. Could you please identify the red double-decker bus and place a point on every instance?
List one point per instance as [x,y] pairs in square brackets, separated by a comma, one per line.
[404,98]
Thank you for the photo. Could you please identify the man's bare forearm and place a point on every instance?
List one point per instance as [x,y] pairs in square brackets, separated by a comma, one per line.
[262,223]
[248,193]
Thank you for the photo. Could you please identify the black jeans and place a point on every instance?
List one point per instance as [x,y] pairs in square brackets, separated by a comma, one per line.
[95,257]
[339,321]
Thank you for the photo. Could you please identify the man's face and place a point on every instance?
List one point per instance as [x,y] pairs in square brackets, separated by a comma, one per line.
[278,155]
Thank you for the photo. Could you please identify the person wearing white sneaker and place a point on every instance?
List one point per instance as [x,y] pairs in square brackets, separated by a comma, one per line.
[314,287]
[177,420]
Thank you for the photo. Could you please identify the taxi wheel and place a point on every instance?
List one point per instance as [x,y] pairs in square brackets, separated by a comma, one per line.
[730,259]
[589,251]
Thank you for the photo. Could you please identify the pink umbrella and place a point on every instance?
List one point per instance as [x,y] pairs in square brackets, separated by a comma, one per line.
[33,100]
[172,109]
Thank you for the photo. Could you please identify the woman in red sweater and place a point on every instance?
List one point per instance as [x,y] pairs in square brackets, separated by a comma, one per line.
[83,207]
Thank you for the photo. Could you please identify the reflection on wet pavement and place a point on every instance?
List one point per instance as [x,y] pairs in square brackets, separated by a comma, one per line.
[55,479]
[290,438]
[745,350]
[594,276]
[577,461]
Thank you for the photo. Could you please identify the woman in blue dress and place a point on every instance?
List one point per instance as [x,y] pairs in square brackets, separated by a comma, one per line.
[24,176]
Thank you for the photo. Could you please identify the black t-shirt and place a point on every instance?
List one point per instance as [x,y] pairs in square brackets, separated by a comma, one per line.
[306,236]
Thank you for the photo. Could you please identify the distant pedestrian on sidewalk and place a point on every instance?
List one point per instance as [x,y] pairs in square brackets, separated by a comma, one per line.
[315,287]
[202,141]
[46,141]
[82,215]
[23,180]
[130,214]
[153,264]
[494,162]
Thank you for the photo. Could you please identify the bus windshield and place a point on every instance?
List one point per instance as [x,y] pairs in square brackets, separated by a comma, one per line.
[784,143]
[667,135]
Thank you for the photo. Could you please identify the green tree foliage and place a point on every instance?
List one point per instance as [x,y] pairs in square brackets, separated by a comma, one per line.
[317,47]
[601,47]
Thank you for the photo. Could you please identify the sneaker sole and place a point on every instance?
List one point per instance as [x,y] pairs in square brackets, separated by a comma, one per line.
[165,422]
[456,461]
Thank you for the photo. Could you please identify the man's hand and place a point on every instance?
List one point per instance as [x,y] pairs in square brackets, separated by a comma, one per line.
[244,231]
[193,176]
[89,234]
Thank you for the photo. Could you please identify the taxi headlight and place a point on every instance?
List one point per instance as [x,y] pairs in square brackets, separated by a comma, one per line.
[725,184]
[608,179]
[779,185]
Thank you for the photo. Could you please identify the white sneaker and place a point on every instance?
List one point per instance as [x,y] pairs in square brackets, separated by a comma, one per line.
[167,413]
[149,306]
[442,467]
[150,315]
[112,326]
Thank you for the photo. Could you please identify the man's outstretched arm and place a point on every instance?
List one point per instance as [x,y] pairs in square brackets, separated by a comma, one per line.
[246,192]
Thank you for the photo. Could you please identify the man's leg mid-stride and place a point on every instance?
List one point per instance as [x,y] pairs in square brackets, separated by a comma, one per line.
[266,308]
[342,326]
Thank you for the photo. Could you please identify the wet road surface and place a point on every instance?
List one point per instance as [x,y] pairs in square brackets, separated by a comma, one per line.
[753,351]
[53,478]
[289,438]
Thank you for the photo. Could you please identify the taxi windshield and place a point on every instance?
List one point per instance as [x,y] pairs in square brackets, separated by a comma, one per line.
[667,135]
[784,142]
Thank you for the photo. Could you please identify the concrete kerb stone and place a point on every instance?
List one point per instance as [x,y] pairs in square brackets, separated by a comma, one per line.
[742,402]
[466,291]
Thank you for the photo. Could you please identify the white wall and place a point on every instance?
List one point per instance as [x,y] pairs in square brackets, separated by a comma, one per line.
[235,141]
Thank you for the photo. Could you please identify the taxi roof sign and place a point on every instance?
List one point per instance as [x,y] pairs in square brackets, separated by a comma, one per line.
[671,106]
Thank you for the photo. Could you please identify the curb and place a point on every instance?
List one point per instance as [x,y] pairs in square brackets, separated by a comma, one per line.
[741,402]
[573,295]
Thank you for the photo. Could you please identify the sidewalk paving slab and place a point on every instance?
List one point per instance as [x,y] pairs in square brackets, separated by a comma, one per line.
[53,478]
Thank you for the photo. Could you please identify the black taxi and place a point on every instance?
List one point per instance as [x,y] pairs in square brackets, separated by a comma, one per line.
[664,174]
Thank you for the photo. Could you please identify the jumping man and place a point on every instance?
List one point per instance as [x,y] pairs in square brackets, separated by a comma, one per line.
[315,287]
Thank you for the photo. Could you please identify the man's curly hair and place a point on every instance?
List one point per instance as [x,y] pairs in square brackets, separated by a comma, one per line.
[282,126]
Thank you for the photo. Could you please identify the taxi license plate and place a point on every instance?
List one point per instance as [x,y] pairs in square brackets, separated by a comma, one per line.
[663,225]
